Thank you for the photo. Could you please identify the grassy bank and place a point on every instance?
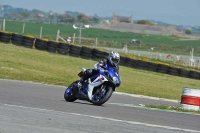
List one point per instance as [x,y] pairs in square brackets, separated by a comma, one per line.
[108,38]
[21,63]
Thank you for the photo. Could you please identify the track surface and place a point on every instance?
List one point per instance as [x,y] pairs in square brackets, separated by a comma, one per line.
[31,107]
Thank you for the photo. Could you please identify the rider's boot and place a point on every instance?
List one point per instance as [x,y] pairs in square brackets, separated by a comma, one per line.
[79,84]
[81,81]
[80,94]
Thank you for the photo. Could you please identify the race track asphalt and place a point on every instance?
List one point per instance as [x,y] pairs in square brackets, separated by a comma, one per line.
[34,107]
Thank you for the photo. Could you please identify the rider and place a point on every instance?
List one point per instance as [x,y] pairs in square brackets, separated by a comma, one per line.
[112,60]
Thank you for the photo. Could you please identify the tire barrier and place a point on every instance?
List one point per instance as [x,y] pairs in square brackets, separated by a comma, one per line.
[28,42]
[40,44]
[190,99]
[74,50]
[52,46]
[5,37]
[194,75]
[97,54]
[183,73]
[122,60]
[141,65]
[172,71]
[63,48]
[86,53]
[16,39]
[162,68]
[94,54]
[105,55]
[151,67]
[130,62]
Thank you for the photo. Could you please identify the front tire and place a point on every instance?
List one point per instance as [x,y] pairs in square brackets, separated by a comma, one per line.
[99,99]
[69,94]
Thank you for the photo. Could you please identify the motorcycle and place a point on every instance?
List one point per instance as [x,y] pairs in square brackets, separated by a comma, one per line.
[96,89]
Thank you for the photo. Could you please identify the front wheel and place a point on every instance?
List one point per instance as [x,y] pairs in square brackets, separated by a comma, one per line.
[69,94]
[102,95]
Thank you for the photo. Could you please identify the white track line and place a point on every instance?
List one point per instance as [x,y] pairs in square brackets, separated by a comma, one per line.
[105,118]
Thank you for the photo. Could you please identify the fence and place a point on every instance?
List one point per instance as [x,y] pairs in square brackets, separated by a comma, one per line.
[177,60]
[186,61]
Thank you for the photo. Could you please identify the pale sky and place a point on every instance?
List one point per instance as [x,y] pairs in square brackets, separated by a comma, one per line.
[178,12]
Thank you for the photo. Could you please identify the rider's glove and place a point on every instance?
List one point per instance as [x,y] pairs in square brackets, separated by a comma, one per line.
[101,70]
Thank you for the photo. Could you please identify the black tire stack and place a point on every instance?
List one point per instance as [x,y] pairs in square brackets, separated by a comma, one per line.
[40,44]
[183,73]
[74,51]
[141,64]
[194,75]
[122,60]
[97,54]
[130,63]
[17,39]
[151,67]
[162,68]
[173,71]
[106,54]
[63,48]
[86,53]
[5,37]
[52,46]
[28,42]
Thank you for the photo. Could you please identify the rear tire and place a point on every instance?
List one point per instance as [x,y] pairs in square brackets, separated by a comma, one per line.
[105,98]
[69,94]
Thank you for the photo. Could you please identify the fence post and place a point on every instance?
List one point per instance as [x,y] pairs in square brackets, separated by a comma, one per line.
[58,33]
[174,60]
[0,24]
[96,42]
[74,38]
[4,24]
[157,55]
[40,32]
[23,28]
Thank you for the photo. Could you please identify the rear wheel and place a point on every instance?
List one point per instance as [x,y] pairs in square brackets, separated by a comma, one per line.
[69,94]
[102,95]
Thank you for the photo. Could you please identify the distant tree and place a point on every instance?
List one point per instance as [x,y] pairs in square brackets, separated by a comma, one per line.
[66,18]
[83,18]
[39,17]
[95,19]
[24,15]
[69,18]
[59,18]
[11,16]
[188,31]
[80,17]
[51,17]
[145,22]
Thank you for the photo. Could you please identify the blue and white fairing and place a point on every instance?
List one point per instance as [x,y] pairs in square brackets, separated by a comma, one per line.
[110,75]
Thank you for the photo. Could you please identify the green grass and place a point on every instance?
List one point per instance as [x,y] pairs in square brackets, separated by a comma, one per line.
[26,64]
[50,31]
[176,108]
[108,38]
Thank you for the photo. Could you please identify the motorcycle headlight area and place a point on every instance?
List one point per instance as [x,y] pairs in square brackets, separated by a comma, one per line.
[115,80]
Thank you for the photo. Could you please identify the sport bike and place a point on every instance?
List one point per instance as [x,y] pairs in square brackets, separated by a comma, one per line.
[96,89]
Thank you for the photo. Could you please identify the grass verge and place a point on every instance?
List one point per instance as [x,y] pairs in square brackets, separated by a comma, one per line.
[20,63]
[174,108]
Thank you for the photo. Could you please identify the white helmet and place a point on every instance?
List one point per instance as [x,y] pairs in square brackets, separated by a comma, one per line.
[114,58]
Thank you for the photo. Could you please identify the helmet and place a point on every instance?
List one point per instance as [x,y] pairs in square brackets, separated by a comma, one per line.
[114,58]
